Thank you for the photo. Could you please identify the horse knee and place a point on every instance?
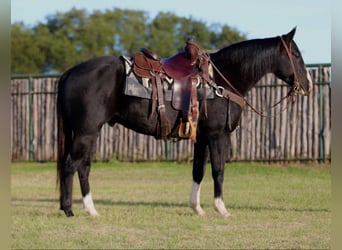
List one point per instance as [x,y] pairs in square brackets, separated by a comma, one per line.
[218,175]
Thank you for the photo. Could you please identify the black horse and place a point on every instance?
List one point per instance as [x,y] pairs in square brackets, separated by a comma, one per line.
[91,94]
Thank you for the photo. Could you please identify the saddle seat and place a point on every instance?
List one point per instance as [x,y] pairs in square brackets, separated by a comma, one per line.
[178,66]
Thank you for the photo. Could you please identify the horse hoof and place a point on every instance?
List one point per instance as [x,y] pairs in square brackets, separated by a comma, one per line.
[198,210]
[226,215]
[220,207]
[93,213]
[68,212]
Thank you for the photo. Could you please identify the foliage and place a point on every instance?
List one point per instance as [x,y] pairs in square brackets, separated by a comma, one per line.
[66,39]
[145,205]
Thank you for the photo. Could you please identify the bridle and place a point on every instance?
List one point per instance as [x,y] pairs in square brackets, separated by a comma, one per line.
[235,95]
[288,49]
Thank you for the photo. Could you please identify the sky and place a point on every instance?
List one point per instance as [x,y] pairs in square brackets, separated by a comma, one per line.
[254,18]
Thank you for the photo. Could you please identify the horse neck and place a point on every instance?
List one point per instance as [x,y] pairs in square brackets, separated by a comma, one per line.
[245,63]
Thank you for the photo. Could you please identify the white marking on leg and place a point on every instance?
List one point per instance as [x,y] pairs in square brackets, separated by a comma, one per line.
[195,199]
[88,205]
[220,207]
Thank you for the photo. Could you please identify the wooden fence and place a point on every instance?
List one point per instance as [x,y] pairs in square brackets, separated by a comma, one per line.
[300,133]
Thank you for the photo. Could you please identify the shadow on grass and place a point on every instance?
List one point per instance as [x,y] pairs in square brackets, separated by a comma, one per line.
[167,204]
[272,208]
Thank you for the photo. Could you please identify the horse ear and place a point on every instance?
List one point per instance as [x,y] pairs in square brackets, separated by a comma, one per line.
[289,36]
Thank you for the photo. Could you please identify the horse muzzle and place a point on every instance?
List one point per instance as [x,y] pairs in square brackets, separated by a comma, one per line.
[309,86]
[301,91]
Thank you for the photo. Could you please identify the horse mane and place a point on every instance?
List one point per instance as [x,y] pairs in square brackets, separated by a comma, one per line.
[252,58]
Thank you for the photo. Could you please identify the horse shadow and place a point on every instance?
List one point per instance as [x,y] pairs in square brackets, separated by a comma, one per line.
[107,202]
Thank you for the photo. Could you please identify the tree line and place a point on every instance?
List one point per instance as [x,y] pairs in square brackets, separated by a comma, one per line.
[65,39]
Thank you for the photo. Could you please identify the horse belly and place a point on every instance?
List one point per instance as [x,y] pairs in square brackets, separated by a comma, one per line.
[135,114]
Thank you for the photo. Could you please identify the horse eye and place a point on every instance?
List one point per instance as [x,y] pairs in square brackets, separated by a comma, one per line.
[296,54]
[294,50]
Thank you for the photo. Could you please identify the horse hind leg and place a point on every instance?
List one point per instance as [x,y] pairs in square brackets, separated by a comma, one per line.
[78,160]
[66,181]
[88,204]
[65,166]
[89,142]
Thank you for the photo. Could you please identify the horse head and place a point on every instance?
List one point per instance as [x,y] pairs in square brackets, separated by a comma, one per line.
[291,67]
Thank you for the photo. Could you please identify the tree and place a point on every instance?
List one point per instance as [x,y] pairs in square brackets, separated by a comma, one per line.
[227,36]
[131,30]
[66,39]
[26,57]
[66,30]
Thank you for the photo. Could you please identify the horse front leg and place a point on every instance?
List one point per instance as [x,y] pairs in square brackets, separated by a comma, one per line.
[218,149]
[198,170]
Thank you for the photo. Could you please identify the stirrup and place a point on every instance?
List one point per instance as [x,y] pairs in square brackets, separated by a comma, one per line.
[187,129]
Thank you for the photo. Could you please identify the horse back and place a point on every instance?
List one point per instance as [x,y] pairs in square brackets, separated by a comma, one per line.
[90,89]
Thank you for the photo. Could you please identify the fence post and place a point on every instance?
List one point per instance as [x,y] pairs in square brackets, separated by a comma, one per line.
[167,149]
[30,93]
[321,114]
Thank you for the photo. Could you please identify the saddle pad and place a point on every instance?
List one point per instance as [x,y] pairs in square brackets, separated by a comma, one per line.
[142,87]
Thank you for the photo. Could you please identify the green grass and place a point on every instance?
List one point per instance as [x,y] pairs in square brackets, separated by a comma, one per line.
[145,205]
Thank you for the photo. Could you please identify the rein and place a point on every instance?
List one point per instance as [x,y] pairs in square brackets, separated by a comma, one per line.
[236,96]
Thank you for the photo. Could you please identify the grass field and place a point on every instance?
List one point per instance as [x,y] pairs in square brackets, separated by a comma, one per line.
[145,205]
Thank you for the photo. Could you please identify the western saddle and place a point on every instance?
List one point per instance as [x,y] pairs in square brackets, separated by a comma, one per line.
[186,69]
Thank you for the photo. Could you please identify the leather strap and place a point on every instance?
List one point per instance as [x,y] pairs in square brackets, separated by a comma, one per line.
[164,121]
[234,97]
[154,96]
[296,83]
[194,103]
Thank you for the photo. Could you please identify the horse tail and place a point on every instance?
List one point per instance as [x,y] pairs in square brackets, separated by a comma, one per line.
[64,134]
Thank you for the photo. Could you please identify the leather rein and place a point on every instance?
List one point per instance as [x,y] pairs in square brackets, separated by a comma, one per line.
[236,96]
